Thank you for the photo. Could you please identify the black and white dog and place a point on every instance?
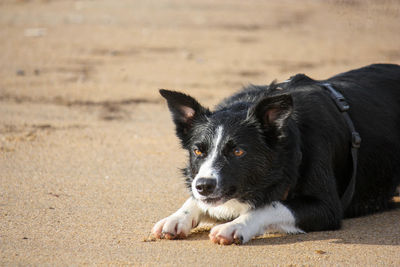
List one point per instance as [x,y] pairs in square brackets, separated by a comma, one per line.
[278,157]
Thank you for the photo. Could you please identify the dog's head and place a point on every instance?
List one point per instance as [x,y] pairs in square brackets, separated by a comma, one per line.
[242,152]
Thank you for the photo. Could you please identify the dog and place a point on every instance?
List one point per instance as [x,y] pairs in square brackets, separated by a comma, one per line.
[280,157]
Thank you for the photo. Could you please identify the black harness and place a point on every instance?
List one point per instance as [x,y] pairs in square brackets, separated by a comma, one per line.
[343,107]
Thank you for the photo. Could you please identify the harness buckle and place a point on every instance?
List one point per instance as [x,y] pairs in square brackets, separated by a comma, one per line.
[355,139]
[341,104]
[339,99]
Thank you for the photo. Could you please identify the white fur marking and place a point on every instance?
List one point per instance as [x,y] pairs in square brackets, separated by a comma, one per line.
[207,169]
[278,215]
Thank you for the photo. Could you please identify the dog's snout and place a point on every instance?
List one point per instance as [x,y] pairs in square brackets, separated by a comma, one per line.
[206,186]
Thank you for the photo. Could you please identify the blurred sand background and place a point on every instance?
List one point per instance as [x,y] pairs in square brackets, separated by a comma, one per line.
[88,156]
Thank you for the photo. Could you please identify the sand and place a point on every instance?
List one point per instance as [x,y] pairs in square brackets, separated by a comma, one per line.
[88,156]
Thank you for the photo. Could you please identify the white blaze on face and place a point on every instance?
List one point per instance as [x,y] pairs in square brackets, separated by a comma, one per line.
[207,169]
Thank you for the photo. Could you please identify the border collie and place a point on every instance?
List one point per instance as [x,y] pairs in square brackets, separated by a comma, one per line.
[278,157]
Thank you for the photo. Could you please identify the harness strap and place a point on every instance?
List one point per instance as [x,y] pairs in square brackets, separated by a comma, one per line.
[343,107]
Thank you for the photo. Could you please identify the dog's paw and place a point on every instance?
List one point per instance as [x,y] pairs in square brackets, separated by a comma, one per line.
[173,227]
[230,233]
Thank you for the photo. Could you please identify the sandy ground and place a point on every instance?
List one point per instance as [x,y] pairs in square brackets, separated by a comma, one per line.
[88,157]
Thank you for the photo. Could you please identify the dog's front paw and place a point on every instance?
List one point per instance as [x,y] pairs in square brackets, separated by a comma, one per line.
[173,227]
[229,233]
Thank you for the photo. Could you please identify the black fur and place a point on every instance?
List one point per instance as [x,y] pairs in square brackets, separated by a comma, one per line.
[296,139]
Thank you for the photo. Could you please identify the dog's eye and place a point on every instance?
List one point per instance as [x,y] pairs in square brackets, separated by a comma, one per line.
[197,152]
[238,152]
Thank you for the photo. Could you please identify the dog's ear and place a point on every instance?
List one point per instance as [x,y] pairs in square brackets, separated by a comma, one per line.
[272,110]
[185,110]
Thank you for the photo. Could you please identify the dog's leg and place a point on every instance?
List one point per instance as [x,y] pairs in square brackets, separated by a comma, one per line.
[179,224]
[253,223]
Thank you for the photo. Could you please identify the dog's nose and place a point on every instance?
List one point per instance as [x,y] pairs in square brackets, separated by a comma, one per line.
[205,186]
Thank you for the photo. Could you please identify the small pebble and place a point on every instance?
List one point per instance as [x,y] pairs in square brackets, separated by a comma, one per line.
[20,73]
[150,238]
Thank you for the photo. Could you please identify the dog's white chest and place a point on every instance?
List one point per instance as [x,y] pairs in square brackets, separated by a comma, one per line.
[227,211]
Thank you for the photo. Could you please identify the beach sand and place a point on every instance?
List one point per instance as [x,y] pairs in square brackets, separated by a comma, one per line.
[88,156]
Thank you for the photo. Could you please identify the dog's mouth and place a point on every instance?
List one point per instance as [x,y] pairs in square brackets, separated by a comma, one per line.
[218,198]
